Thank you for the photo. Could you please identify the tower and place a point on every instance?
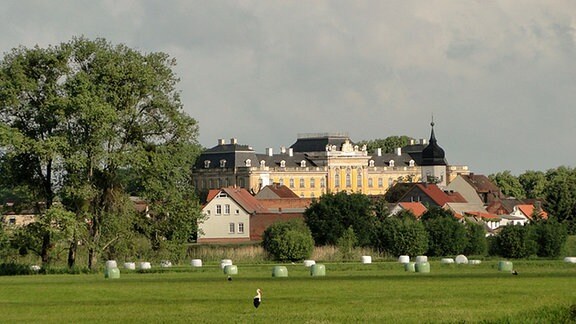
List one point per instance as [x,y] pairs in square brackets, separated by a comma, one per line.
[433,161]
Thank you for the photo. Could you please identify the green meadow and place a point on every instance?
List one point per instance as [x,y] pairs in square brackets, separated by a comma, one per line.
[381,292]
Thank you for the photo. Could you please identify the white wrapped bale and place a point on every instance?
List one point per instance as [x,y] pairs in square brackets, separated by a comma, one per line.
[165,264]
[224,263]
[404,259]
[447,260]
[111,264]
[366,259]
[196,263]
[421,259]
[473,262]
[461,259]
[570,259]
[130,265]
[145,265]
[309,263]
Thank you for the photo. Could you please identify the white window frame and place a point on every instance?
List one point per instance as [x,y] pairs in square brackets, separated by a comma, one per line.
[241,228]
[231,228]
[218,209]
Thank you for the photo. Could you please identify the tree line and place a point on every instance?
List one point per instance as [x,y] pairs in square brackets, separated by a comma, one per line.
[344,220]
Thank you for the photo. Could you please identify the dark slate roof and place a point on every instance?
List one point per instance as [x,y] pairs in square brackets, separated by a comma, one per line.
[433,154]
[234,154]
[399,160]
[318,143]
[291,161]
[481,183]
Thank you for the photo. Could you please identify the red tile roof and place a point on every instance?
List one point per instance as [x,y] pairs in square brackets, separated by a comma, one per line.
[415,208]
[528,210]
[242,197]
[438,196]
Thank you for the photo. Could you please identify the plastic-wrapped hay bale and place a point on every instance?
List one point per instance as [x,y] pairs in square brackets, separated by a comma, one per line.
[423,267]
[366,259]
[473,262]
[447,261]
[196,263]
[505,266]
[224,263]
[404,259]
[111,264]
[309,263]
[317,270]
[460,259]
[410,266]
[165,264]
[570,259]
[112,273]
[35,268]
[144,265]
[279,271]
[231,269]
[130,265]
[421,258]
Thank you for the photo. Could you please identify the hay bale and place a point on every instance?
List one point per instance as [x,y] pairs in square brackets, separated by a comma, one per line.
[410,267]
[309,263]
[112,273]
[505,266]
[196,263]
[447,260]
[570,259]
[279,271]
[366,259]
[111,264]
[460,259]
[130,265]
[144,266]
[473,262]
[35,268]
[404,259]
[231,269]
[165,264]
[317,270]
[421,258]
[224,263]
[422,267]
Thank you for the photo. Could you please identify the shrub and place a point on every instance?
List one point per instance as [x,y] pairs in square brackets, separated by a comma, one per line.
[514,241]
[402,235]
[549,236]
[288,241]
[446,236]
[346,244]
[477,243]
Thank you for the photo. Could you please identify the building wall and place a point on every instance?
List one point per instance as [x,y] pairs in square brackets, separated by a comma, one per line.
[217,224]
[260,222]
[465,189]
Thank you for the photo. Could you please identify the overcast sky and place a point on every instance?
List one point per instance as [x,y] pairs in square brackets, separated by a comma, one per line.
[498,76]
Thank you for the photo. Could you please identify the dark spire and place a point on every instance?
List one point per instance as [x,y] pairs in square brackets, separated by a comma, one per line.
[433,154]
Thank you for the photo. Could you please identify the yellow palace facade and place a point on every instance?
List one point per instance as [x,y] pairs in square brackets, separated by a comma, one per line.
[319,163]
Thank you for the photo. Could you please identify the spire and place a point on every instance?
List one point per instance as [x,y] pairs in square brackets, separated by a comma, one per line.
[433,154]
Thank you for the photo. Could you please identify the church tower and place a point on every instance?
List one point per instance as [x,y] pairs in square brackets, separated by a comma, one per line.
[433,162]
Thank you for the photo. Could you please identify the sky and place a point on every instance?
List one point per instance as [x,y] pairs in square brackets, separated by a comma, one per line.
[499,76]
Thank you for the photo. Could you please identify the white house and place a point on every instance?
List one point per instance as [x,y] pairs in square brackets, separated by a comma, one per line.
[227,215]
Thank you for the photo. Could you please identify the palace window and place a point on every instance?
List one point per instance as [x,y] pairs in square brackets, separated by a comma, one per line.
[206,164]
[371,163]
[359,180]
[322,182]
[380,183]
[248,163]
[411,163]
[262,164]
[337,179]
[291,183]
[348,179]
[370,183]
[391,163]
[312,183]
[303,163]
[282,164]
[302,183]
[222,163]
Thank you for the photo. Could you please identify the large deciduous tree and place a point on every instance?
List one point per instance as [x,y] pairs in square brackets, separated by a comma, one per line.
[95,110]
[388,144]
[332,214]
[509,184]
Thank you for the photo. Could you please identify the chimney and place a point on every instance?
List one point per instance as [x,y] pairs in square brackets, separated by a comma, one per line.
[220,141]
[269,151]
[412,141]
[283,149]
[399,151]
[290,152]
[379,151]
[233,141]
[423,141]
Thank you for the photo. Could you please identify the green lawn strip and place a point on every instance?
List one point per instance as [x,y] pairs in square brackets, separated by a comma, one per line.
[379,292]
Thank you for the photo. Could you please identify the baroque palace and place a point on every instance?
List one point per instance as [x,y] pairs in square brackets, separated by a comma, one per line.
[319,163]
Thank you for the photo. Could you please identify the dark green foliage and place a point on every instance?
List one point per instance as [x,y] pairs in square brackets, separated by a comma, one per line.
[346,244]
[549,236]
[514,241]
[476,237]
[561,196]
[508,184]
[388,145]
[288,241]
[402,235]
[446,235]
[331,215]
[14,269]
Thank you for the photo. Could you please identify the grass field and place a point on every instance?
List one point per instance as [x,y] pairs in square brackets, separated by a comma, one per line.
[349,293]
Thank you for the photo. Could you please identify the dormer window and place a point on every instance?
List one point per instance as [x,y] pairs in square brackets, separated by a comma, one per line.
[411,163]
[206,164]
[303,163]
[282,164]
[371,163]
[248,163]
[222,163]
[262,163]
[391,163]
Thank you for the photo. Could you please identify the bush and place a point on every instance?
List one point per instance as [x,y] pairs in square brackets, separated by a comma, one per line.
[446,236]
[346,244]
[514,241]
[402,235]
[477,243]
[15,269]
[549,236]
[288,241]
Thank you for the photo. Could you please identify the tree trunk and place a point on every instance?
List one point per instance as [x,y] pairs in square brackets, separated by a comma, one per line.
[72,252]
[45,253]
